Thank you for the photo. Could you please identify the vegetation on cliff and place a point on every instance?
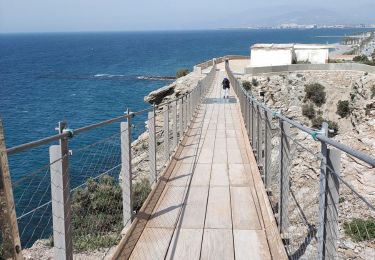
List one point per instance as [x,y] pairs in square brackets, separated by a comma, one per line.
[182,72]
[97,216]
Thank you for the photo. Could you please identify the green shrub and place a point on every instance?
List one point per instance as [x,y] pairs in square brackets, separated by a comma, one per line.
[308,111]
[361,59]
[343,108]
[332,126]
[316,93]
[182,72]
[246,85]
[373,56]
[255,82]
[97,214]
[360,229]
[141,190]
[318,121]
[373,91]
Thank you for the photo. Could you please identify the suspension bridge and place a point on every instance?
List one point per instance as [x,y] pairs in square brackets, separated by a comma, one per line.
[219,189]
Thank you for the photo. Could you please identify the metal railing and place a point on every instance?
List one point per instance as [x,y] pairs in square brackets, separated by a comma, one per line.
[94,182]
[319,212]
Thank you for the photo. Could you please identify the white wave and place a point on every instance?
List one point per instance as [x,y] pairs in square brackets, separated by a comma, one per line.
[108,75]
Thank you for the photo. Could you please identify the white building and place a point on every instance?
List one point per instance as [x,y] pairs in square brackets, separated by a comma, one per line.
[263,55]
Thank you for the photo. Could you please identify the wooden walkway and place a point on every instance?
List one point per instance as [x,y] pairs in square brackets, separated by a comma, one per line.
[212,204]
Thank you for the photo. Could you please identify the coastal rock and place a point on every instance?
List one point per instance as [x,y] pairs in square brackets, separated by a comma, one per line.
[180,87]
[285,92]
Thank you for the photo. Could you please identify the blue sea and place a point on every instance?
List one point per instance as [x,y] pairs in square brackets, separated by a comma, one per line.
[84,78]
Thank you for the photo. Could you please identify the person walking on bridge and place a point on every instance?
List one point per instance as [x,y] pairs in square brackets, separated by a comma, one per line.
[226,87]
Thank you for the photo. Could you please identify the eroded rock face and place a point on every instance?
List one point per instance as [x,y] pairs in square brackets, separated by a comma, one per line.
[174,90]
[285,92]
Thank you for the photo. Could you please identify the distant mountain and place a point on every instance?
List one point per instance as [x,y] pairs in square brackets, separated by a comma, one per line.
[277,15]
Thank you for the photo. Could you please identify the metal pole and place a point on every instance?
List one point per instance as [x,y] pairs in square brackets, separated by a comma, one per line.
[267,146]
[253,131]
[185,117]
[181,118]
[175,141]
[8,219]
[259,134]
[284,176]
[152,146]
[328,200]
[126,171]
[166,132]
[60,191]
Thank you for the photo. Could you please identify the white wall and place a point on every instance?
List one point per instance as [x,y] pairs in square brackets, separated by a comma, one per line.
[314,56]
[271,57]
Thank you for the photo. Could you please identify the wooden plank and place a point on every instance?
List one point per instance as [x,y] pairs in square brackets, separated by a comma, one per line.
[206,155]
[220,155]
[188,155]
[237,175]
[268,221]
[153,244]
[181,175]
[250,244]
[244,213]
[234,156]
[202,175]
[218,208]
[219,175]
[217,244]
[166,212]
[129,241]
[185,244]
[193,215]
[232,142]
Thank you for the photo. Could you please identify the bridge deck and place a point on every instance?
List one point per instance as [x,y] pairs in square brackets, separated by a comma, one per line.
[210,207]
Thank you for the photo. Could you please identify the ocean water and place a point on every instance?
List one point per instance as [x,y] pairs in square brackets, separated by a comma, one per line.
[84,78]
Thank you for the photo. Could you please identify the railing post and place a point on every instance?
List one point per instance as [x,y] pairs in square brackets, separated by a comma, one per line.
[175,141]
[126,171]
[251,122]
[152,146]
[181,118]
[328,201]
[185,112]
[8,219]
[60,191]
[253,129]
[284,176]
[259,137]
[267,147]
[166,132]
[189,109]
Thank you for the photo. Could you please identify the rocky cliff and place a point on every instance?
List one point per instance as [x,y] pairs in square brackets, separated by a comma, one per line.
[286,92]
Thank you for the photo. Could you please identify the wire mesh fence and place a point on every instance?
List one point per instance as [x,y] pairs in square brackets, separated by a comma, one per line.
[80,193]
[319,211]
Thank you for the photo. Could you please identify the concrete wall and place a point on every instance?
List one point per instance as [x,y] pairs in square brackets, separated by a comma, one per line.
[317,56]
[302,67]
[271,57]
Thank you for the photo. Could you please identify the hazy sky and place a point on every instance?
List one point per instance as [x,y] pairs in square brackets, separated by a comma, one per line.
[114,15]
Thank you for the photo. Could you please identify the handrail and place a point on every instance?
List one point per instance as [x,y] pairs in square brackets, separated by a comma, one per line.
[357,154]
[52,138]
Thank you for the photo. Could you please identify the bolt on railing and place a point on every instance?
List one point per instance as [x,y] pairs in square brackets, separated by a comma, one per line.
[101,162]
[308,228]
